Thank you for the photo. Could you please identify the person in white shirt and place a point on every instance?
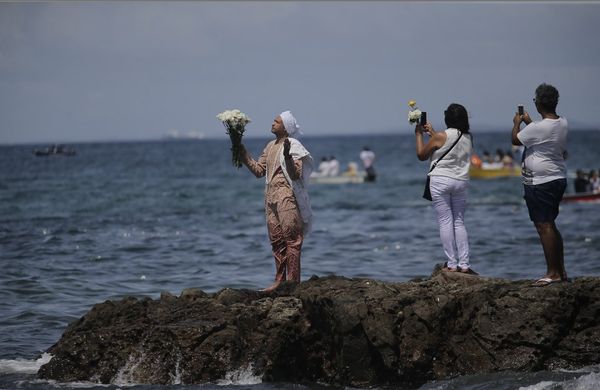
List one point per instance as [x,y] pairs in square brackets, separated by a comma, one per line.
[368,157]
[334,167]
[323,168]
[544,175]
[450,181]
[594,181]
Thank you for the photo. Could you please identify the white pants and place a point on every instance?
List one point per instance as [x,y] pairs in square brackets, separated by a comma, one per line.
[449,198]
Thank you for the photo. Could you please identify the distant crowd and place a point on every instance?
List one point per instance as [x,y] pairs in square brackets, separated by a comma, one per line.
[330,166]
[500,159]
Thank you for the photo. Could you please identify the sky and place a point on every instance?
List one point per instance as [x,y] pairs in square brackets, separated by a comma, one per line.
[110,71]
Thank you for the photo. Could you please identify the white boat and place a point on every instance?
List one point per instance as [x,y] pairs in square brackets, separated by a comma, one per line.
[339,179]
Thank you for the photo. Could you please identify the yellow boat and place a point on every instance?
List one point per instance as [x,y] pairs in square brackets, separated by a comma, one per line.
[493,173]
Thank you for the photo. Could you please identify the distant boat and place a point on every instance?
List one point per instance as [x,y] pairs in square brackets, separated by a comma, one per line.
[340,179]
[176,135]
[581,197]
[493,173]
[54,150]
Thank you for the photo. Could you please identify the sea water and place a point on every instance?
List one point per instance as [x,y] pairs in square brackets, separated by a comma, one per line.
[138,218]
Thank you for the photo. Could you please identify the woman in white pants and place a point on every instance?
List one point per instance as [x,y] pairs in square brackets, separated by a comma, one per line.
[449,181]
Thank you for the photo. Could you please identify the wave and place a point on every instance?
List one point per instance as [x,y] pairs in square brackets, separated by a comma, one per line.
[590,381]
[23,366]
[68,385]
[242,376]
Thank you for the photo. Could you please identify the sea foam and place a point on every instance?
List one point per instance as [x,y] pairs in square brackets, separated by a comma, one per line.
[589,381]
[23,366]
[242,376]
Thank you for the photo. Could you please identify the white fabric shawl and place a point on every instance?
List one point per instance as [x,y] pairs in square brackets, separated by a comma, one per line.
[299,152]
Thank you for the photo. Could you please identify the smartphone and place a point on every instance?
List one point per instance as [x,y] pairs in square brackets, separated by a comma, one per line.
[423,118]
[521,111]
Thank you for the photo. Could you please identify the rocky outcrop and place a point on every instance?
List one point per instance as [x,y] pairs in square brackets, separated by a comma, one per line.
[335,330]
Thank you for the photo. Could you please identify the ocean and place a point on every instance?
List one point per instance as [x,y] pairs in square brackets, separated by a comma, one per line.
[138,218]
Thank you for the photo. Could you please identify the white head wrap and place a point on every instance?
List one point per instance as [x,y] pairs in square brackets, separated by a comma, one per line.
[290,124]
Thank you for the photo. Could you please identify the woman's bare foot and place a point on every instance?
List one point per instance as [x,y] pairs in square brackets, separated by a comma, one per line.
[272,287]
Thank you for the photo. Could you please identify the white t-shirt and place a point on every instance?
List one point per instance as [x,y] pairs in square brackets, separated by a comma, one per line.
[323,168]
[367,158]
[334,168]
[457,162]
[545,142]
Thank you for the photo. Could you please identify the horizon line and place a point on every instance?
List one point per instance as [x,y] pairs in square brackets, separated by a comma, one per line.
[165,138]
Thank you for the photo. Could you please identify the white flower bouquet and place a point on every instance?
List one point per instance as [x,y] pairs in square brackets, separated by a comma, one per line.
[235,122]
[414,114]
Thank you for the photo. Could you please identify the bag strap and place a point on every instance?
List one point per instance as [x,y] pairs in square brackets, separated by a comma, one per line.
[446,152]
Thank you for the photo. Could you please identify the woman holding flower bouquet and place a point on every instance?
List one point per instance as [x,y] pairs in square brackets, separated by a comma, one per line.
[450,154]
[287,166]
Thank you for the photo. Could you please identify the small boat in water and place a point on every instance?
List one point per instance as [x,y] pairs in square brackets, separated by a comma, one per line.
[494,173]
[351,175]
[581,197]
[54,150]
[340,179]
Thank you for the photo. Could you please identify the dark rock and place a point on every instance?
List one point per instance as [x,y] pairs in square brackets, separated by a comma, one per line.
[356,332]
[193,293]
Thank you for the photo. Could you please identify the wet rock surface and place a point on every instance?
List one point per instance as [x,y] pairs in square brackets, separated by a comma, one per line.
[336,330]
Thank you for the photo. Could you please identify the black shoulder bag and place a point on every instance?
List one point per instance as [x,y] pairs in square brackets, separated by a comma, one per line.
[427,192]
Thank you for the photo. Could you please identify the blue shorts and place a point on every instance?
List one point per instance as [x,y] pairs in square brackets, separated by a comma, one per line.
[543,199]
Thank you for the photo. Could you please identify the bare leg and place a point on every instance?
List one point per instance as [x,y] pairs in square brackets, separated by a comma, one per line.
[552,243]
[272,287]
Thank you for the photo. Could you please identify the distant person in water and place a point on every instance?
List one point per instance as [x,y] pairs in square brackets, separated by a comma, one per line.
[487,162]
[287,166]
[486,157]
[368,158]
[544,175]
[334,167]
[323,167]
[594,181]
[351,169]
[507,160]
[582,184]
[499,156]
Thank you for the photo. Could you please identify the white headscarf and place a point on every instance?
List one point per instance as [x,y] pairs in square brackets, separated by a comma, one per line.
[290,124]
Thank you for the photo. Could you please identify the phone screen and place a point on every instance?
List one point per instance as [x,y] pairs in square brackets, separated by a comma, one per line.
[423,118]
